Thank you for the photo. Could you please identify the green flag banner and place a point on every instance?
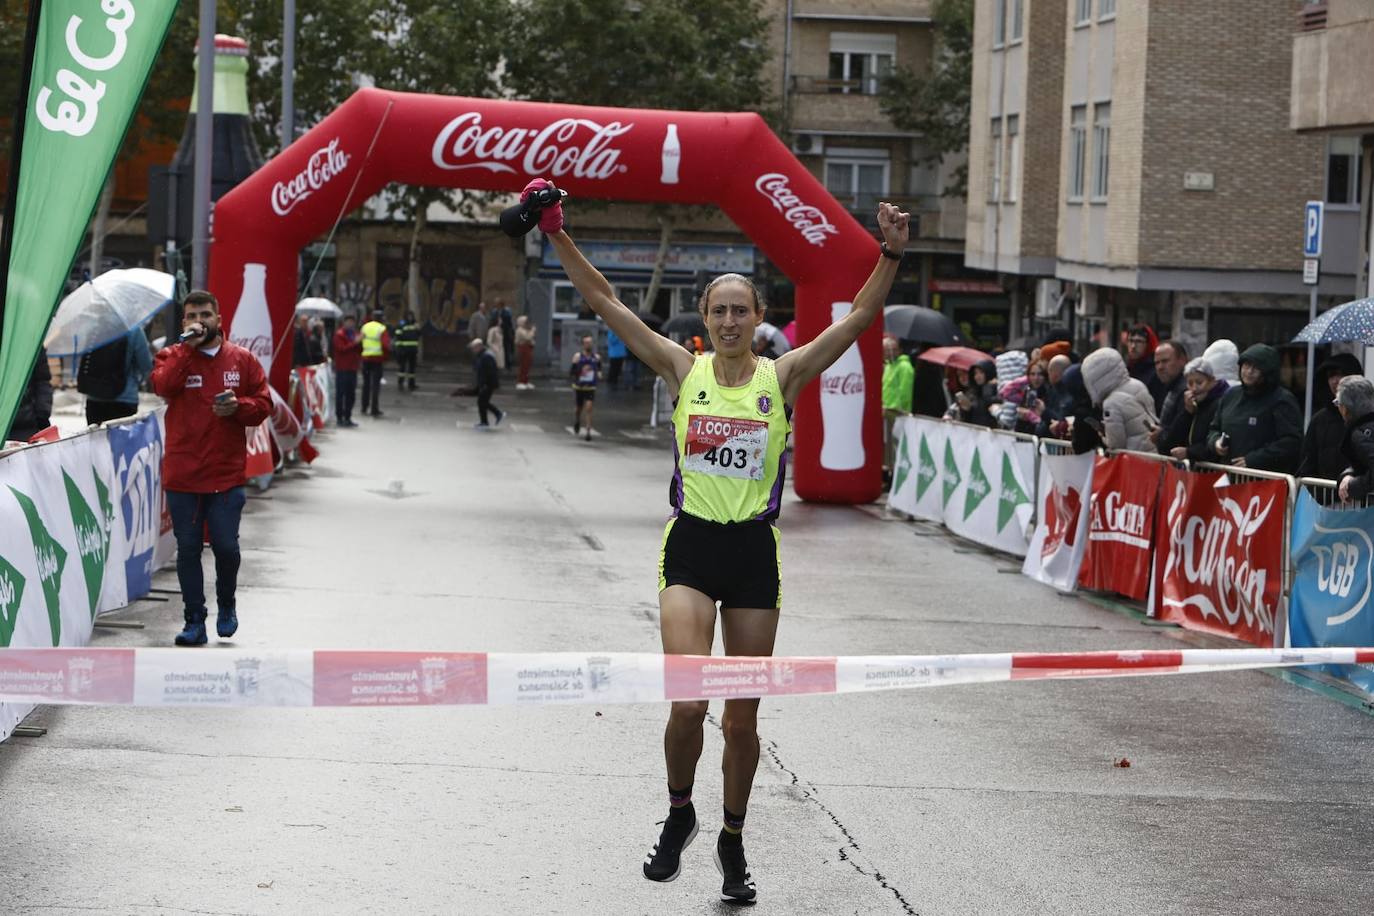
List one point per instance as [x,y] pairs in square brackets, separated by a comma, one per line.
[90,64]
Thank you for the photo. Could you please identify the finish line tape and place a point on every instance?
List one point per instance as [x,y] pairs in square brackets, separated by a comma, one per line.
[302,677]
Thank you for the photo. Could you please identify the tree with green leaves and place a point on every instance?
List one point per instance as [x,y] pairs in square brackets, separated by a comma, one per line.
[935,104]
[693,55]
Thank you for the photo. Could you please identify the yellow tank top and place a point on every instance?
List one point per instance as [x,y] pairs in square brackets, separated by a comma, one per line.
[728,445]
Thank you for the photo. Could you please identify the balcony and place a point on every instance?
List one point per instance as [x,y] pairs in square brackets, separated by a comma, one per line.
[822,103]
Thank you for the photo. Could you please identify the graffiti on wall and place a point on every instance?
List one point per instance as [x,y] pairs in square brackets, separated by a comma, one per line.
[450,283]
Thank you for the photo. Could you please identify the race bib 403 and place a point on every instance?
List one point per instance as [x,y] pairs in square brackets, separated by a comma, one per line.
[726,446]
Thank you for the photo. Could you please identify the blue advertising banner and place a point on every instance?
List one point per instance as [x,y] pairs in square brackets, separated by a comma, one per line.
[136,450]
[1333,573]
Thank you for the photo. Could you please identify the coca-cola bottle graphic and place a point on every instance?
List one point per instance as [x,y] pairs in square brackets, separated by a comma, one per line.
[252,327]
[842,405]
[672,156]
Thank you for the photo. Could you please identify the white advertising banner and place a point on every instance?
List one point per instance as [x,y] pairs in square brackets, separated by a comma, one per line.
[988,476]
[1061,532]
[80,532]
[902,496]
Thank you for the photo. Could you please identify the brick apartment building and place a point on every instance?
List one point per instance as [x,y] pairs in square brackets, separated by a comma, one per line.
[1134,162]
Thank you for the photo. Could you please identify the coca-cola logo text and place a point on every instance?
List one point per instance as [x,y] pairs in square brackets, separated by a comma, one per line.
[324,164]
[849,383]
[805,218]
[1213,555]
[553,150]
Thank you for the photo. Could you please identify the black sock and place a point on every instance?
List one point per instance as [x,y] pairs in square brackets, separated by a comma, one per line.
[680,805]
[733,830]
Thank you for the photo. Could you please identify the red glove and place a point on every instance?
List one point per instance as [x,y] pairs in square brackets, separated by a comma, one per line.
[550,218]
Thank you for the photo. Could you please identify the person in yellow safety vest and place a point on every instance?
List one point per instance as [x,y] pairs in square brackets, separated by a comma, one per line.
[376,348]
[407,351]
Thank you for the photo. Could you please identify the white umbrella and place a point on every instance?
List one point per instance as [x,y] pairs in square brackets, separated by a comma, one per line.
[318,307]
[774,337]
[107,308]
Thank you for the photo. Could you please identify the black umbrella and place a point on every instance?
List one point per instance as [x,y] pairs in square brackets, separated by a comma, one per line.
[653,321]
[685,324]
[915,322]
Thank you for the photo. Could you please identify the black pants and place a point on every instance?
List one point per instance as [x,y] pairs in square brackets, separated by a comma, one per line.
[372,387]
[614,375]
[345,393]
[100,411]
[406,358]
[484,404]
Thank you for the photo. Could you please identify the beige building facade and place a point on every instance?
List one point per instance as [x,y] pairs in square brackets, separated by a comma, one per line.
[1177,188]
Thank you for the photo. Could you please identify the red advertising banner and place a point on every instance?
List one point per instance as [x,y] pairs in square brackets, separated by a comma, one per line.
[1220,555]
[1121,526]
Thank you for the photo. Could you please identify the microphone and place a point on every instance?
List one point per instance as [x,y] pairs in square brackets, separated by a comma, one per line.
[185,336]
[518,220]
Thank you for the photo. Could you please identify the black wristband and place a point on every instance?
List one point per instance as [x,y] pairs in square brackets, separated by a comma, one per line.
[888,252]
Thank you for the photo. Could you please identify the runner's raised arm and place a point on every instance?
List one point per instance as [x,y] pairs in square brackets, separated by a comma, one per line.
[799,366]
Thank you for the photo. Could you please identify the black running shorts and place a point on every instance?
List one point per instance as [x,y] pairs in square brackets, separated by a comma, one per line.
[584,395]
[736,564]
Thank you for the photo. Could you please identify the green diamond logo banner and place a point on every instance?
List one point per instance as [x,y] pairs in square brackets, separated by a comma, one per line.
[978,486]
[903,465]
[90,64]
[926,471]
[1011,495]
[11,596]
[92,540]
[50,558]
[951,475]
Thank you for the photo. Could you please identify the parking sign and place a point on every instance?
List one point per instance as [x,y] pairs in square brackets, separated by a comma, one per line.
[1312,230]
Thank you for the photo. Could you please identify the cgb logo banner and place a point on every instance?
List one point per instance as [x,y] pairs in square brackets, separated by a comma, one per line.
[1121,525]
[1333,554]
[1220,554]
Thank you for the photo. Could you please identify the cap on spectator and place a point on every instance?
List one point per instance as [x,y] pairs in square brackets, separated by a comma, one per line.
[1056,348]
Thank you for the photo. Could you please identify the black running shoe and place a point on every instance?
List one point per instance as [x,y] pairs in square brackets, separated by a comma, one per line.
[664,861]
[737,885]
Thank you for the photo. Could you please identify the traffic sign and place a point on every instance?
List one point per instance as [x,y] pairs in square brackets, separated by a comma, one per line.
[1310,271]
[1312,229]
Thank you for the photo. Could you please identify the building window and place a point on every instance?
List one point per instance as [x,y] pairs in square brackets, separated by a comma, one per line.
[1102,148]
[1083,13]
[1018,15]
[1343,185]
[999,23]
[1078,142]
[857,183]
[995,161]
[1013,157]
[860,61]
[1106,9]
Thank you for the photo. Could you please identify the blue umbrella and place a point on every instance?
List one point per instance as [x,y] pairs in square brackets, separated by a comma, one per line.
[1350,321]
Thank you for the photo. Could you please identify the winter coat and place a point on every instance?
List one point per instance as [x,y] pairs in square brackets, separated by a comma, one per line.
[981,397]
[1358,448]
[1011,366]
[898,381]
[348,350]
[206,453]
[1321,444]
[1128,410]
[1264,423]
[486,372]
[1189,430]
[1170,402]
[1017,394]
[34,413]
[1225,360]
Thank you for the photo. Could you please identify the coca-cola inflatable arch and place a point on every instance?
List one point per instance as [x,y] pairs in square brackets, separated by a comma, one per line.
[732,161]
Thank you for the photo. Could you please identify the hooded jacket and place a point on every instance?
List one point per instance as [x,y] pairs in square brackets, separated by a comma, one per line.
[1128,409]
[1321,444]
[1144,367]
[1358,447]
[981,397]
[1011,366]
[1264,423]
[898,378]
[1225,359]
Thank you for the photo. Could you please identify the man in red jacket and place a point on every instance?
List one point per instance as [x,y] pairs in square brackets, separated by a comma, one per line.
[348,356]
[214,390]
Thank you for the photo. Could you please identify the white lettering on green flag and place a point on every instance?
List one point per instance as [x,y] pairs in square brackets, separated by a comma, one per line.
[90,64]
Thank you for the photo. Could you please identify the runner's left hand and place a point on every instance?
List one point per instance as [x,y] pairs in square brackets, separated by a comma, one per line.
[550,218]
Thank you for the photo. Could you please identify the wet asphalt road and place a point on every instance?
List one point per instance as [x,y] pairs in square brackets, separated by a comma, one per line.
[1245,794]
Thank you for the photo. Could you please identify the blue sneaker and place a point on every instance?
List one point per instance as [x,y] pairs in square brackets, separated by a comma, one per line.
[226,623]
[193,635]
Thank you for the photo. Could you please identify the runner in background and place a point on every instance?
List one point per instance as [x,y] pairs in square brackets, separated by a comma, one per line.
[733,414]
[585,373]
